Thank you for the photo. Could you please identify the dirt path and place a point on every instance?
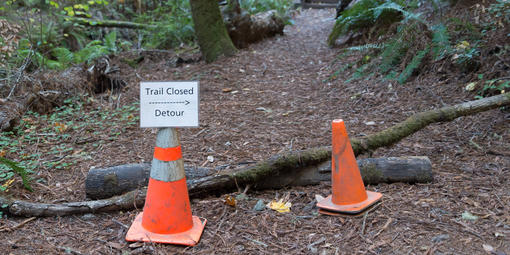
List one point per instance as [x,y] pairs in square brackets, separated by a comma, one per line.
[275,96]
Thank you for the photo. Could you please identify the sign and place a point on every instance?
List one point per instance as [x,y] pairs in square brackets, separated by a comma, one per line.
[169,104]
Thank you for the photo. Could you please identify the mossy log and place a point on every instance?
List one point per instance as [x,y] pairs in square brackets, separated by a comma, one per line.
[112,181]
[245,29]
[110,23]
[251,175]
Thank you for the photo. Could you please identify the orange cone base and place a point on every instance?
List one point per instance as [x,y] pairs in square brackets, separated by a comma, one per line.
[327,205]
[137,233]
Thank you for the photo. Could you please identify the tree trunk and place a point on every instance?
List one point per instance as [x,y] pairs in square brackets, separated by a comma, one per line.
[112,181]
[210,30]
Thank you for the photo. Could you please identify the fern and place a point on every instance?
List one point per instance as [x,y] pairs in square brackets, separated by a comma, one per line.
[18,170]
[365,47]
[366,13]
[63,55]
[110,41]
[411,67]
[392,54]
[360,72]
[440,42]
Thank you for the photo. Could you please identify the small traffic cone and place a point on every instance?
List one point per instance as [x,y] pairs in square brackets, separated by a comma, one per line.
[349,194]
[166,216]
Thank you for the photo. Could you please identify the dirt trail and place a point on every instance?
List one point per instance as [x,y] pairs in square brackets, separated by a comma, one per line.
[275,96]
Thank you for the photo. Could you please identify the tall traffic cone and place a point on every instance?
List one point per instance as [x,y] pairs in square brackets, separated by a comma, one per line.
[166,216]
[349,194]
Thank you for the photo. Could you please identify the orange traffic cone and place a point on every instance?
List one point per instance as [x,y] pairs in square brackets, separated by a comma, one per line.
[166,216]
[349,194]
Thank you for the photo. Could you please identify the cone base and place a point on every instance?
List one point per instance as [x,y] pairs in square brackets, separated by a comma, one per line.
[137,233]
[327,205]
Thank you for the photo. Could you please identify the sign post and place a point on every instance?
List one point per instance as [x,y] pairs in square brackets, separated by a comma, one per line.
[166,217]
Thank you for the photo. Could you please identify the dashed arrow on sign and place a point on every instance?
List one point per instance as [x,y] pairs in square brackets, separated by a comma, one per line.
[185,102]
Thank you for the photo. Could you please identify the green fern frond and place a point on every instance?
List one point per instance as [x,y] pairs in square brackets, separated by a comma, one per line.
[392,54]
[365,47]
[412,66]
[63,55]
[388,6]
[110,41]
[360,72]
[18,170]
[440,41]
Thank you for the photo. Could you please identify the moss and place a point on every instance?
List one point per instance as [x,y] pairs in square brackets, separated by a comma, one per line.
[110,180]
[281,164]
[210,30]
[370,174]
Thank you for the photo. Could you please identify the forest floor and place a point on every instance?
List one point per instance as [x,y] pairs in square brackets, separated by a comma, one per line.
[277,96]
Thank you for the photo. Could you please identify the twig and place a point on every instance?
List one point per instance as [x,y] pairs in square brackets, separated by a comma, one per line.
[69,250]
[19,74]
[121,224]
[256,241]
[364,222]
[388,222]
[366,214]
[18,226]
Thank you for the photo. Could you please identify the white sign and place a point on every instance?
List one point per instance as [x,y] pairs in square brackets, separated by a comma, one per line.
[169,104]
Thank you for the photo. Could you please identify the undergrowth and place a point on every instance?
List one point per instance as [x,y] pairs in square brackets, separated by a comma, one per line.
[54,142]
[407,42]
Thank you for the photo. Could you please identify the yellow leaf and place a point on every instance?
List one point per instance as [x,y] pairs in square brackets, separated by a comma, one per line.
[230,200]
[61,127]
[462,45]
[2,153]
[471,86]
[280,206]
[7,184]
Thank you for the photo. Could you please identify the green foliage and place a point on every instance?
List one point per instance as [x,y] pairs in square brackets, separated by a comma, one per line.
[412,66]
[400,55]
[500,10]
[367,13]
[61,58]
[494,87]
[174,25]
[440,42]
[256,6]
[18,170]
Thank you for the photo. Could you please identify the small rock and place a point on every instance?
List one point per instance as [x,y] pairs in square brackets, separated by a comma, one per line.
[440,238]
[241,196]
[88,216]
[136,245]
[260,205]
[310,206]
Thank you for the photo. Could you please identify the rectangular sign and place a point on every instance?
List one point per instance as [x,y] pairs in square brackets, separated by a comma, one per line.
[169,104]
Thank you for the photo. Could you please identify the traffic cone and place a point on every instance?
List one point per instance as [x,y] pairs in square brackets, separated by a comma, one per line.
[349,194]
[166,216]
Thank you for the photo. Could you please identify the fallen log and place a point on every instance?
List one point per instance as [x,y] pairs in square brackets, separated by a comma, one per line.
[242,27]
[275,165]
[112,181]
[108,182]
[245,29]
